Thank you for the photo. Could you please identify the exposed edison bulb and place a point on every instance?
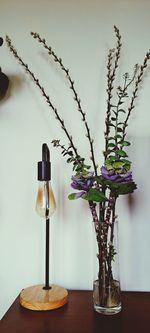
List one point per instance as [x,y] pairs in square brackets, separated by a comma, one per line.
[45,202]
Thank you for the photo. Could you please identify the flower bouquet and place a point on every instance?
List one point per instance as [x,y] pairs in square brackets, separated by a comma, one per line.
[101,186]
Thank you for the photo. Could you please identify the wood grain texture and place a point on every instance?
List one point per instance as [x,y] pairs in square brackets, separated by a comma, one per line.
[38,299]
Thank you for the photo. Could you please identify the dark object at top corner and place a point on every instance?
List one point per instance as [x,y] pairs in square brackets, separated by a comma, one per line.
[4,82]
[1,41]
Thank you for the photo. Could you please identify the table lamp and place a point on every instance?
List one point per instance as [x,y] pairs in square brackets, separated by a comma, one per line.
[46,296]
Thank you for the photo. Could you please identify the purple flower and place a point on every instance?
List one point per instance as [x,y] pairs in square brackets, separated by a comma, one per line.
[112,175]
[83,183]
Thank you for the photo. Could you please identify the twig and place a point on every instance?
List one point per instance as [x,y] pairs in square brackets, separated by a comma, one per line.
[135,91]
[110,80]
[48,100]
[72,87]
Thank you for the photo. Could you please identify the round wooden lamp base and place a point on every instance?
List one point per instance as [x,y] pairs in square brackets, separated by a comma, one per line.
[39,299]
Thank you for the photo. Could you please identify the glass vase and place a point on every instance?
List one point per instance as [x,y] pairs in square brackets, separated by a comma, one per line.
[106,287]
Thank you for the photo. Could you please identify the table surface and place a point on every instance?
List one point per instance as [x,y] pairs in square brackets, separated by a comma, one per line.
[78,316]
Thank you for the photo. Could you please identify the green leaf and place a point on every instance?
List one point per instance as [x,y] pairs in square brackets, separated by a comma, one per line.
[118,136]
[125,143]
[118,188]
[127,164]
[84,173]
[72,196]
[112,158]
[126,161]
[119,129]
[121,188]
[79,168]
[87,166]
[118,165]
[126,188]
[111,145]
[94,195]
[108,164]
[121,153]
[70,159]
[99,180]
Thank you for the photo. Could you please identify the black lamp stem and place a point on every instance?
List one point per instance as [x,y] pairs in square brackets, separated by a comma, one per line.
[44,174]
[47,286]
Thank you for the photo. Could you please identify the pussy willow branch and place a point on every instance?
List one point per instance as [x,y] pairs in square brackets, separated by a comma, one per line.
[99,236]
[122,94]
[134,94]
[110,80]
[126,85]
[109,93]
[72,87]
[92,206]
[25,66]
[109,208]
[97,224]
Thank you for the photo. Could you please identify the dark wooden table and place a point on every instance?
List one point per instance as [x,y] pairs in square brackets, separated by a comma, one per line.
[78,316]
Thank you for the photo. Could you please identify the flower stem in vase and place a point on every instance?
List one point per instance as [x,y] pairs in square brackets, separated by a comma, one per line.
[106,295]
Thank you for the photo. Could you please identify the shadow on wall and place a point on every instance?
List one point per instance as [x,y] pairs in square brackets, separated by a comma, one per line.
[131,201]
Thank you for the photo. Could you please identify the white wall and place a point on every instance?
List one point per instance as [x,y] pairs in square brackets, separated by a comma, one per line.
[81,32]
